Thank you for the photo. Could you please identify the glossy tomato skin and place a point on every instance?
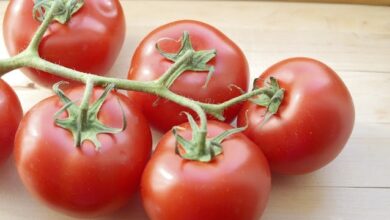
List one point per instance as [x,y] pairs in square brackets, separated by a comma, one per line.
[313,123]
[89,42]
[147,64]
[10,115]
[234,186]
[82,181]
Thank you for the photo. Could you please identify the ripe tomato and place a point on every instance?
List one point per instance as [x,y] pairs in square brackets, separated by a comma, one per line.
[314,120]
[148,64]
[10,115]
[82,181]
[233,186]
[89,42]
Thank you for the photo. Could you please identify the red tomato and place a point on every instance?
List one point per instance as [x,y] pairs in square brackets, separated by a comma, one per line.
[148,64]
[89,42]
[314,120]
[10,115]
[234,186]
[82,181]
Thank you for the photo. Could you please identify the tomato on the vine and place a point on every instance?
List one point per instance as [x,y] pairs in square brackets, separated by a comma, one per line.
[148,64]
[314,120]
[10,115]
[233,186]
[89,42]
[83,181]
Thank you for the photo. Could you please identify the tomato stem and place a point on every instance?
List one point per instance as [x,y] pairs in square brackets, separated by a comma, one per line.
[82,122]
[187,59]
[64,9]
[216,110]
[201,137]
[34,44]
[176,69]
[15,62]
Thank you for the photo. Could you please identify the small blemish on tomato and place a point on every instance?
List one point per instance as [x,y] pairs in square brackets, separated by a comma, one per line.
[107,9]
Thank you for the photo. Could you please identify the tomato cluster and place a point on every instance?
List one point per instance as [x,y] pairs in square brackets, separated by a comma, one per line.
[313,121]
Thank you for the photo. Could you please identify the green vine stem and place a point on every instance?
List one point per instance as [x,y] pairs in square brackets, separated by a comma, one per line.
[196,62]
[49,16]
[84,106]
[185,59]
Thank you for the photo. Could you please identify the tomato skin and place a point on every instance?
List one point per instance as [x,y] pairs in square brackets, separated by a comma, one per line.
[234,186]
[10,115]
[148,64]
[82,181]
[314,120]
[89,42]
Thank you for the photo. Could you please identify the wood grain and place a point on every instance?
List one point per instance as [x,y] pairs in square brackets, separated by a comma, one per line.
[352,39]
[368,2]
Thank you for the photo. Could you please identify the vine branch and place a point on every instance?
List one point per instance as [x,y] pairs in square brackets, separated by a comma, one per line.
[186,59]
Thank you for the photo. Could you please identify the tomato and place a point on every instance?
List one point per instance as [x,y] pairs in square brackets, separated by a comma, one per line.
[89,42]
[147,64]
[313,123]
[82,181]
[10,115]
[233,186]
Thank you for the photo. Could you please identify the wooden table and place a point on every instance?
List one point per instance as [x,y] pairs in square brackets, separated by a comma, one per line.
[352,39]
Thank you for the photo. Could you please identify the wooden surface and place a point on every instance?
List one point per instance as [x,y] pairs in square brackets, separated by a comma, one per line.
[352,39]
[368,2]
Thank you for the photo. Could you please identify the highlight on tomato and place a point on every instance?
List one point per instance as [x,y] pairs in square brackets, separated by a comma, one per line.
[234,185]
[103,172]
[312,123]
[10,115]
[89,42]
[228,68]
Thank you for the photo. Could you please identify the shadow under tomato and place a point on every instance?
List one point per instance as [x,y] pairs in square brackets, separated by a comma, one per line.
[13,193]
[294,197]
[9,178]
[133,210]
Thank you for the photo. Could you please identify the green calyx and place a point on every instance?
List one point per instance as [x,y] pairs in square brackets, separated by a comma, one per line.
[271,98]
[65,9]
[82,121]
[195,149]
[197,62]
